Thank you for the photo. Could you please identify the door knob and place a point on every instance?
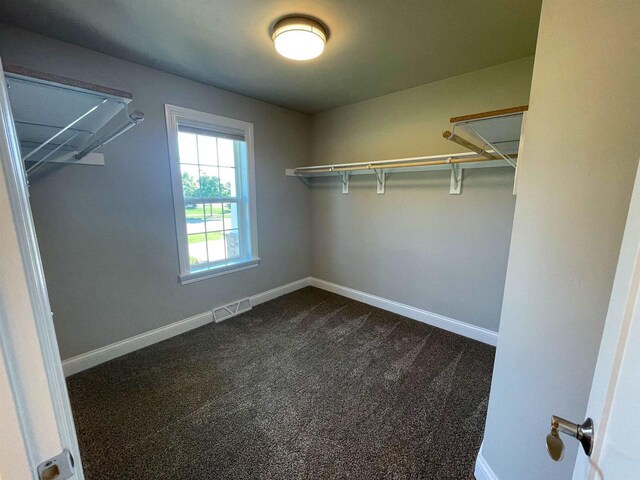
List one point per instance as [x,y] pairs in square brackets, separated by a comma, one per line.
[583,433]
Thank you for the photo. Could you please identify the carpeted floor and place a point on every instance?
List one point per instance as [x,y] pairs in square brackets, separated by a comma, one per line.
[309,385]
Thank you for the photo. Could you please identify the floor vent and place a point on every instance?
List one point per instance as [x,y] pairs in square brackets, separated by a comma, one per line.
[231,310]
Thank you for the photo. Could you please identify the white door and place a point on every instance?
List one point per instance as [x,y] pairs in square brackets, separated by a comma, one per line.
[614,402]
[35,416]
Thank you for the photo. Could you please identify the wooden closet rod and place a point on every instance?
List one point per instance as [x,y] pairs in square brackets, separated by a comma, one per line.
[466,144]
[424,163]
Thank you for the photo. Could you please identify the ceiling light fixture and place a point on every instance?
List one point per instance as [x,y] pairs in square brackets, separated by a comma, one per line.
[299,38]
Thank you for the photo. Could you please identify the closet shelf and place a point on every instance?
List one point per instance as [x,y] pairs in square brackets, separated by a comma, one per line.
[61,120]
[498,132]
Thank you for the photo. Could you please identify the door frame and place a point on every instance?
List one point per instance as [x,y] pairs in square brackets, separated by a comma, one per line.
[28,344]
[623,307]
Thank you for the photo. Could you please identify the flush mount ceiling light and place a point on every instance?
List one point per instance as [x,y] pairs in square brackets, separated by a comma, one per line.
[299,38]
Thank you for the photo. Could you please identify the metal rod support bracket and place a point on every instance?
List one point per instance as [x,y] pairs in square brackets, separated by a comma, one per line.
[133,119]
[381,177]
[344,176]
[504,156]
[455,187]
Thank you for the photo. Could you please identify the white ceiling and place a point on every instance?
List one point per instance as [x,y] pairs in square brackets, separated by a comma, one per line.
[375,47]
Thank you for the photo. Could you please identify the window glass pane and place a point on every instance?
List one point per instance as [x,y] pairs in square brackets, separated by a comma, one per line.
[187,147]
[197,248]
[190,181]
[213,215]
[212,167]
[228,181]
[194,215]
[207,150]
[230,216]
[225,152]
[215,245]
[232,242]
[209,182]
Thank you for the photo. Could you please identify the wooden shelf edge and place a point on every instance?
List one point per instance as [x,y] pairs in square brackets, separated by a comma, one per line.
[50,77]
[493,113]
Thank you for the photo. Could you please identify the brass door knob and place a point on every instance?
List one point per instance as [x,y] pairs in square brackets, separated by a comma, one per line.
[583,433]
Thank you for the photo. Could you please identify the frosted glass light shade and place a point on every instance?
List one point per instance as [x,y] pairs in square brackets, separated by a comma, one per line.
[299,38]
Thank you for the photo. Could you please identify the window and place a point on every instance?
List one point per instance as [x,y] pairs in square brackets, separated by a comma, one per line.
[213,191]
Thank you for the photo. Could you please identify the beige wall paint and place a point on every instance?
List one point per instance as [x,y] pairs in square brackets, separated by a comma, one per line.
[410,123]
[579,161]
[417,244]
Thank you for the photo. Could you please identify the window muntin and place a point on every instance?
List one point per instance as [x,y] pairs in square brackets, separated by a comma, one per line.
[208,167]
[212,175]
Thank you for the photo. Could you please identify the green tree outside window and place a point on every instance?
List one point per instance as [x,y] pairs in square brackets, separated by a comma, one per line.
[207,187]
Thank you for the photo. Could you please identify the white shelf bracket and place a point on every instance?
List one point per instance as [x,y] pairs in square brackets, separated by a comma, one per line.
[505,157]
[344,177]
[290,172]
[304,180]
[381,177]
[64,129]
[455,187]
[42,161]
[520,150]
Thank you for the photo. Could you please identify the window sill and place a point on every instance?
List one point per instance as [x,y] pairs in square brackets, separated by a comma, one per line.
[211,272]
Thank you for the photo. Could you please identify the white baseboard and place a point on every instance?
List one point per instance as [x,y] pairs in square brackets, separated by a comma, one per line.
[100,355]
[279,291]
[483,470]
[456,326]
[109,352]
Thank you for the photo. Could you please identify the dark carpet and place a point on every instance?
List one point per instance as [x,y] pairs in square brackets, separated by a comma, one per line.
[309,385]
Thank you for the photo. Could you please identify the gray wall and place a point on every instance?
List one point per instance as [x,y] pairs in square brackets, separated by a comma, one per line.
[580,157]
[107,234]
[417,244]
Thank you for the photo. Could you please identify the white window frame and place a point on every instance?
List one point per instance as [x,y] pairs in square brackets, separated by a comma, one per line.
[246,191]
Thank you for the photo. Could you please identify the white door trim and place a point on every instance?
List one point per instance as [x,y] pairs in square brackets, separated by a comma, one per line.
[29,345]
[483,470]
